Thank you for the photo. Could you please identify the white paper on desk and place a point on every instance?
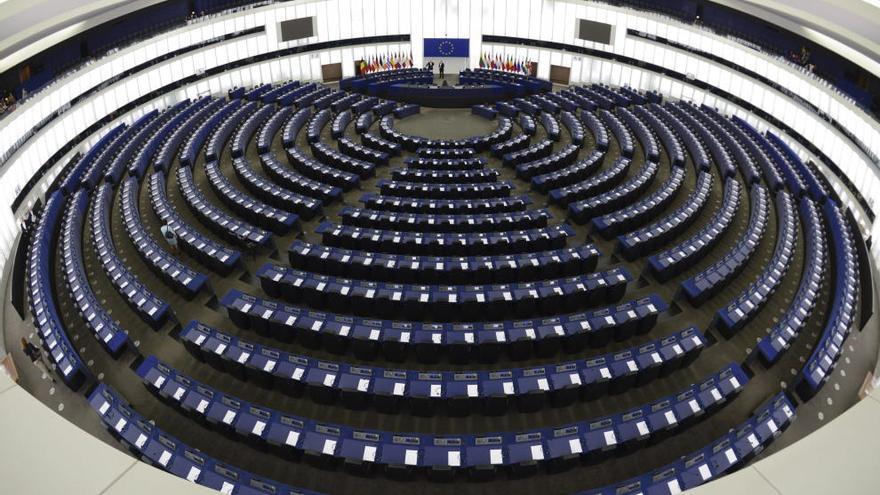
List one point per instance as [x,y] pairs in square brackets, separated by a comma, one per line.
[411,458]
[193,474]
[228,417]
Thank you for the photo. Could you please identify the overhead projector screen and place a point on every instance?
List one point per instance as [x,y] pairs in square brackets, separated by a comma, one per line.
[594,31]
[296,29]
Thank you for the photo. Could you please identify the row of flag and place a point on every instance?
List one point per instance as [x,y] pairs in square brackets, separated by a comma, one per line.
[500,62]
[388,61]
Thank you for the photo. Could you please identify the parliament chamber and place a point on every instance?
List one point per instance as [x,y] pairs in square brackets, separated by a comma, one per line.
[398,246]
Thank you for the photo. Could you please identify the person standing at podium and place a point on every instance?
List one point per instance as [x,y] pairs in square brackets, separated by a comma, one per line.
[442,68]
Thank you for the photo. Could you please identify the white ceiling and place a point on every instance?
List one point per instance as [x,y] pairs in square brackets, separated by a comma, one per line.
[28,27]
[848,27]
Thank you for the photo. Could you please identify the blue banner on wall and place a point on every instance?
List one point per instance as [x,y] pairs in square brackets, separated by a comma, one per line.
[447,47]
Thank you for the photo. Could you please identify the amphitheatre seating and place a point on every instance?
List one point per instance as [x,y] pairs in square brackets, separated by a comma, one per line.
[246,206]
[148,306]
[443,223]
[453,270]
[466,391]
[304,197]
[493,277]
[447,206]
[365,297]
[41,295]
[181,277]
[461,244]
[461,341]
[708,282]
[227,226]
[213,254]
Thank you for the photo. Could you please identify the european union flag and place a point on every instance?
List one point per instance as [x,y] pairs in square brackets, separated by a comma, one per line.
[447,47]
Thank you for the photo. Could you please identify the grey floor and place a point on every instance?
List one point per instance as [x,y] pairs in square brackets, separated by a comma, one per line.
[859,355]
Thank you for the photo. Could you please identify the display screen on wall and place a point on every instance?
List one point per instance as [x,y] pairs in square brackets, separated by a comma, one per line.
[594,31]
[296,29]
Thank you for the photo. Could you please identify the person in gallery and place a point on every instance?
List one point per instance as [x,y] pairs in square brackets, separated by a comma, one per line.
[36,356]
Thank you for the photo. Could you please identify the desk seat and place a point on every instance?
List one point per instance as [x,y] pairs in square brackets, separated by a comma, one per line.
[420,222]
[340,122]
[801,308]
[708,282]
[455,393]
[149,307]
[445,206]
[453,164]
[103,327]
[478,244]
[621,133]
[41,295]
[229,227]
[484,110]
[294,125]
[625,193]
[551,124]
[443,270]
[361,152]
[720,156]
[592,185]
[664,229]
[328,99]
[641,211]
[570,121]
[749,302]
[336,159]
[549,296]
[676,259]
[168,267]
[243,135]
[270,128]
[722,456]
[268,217]
[698,153]
[577,171]
[412,143]
[842,314]
[378,143]
[515,143]
[156,447]
[214,255]
[481,455]
[444,190]
[533,152]
[297,194]
[320,172]
[445,176]
[559,159]
[462,342]
[597,128]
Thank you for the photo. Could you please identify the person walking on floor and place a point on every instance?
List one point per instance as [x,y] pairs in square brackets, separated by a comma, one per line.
[442,69]
[170,236]
[36,356]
